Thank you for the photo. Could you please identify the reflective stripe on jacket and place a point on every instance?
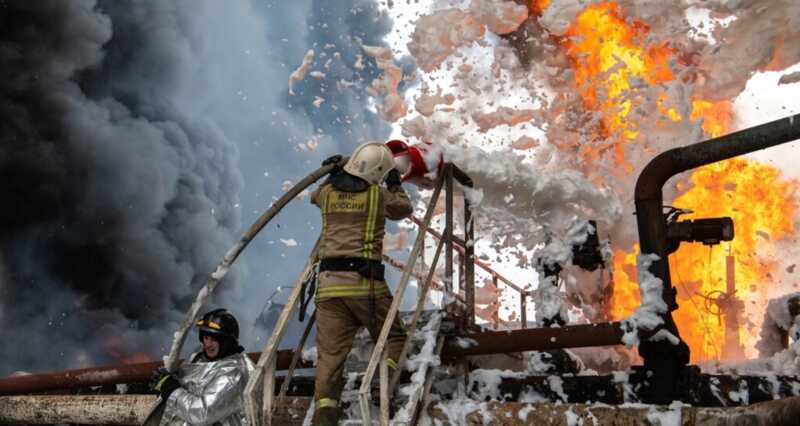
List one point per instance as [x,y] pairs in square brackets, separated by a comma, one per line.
[353,226]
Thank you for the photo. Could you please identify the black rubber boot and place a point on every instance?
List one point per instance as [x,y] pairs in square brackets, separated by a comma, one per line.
[326,416]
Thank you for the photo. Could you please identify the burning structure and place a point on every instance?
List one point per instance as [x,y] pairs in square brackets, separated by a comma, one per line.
[554,111]
[612,84]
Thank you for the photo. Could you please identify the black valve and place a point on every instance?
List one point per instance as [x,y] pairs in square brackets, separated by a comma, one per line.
[709,231]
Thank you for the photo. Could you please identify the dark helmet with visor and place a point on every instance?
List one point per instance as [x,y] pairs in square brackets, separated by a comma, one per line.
[219,323]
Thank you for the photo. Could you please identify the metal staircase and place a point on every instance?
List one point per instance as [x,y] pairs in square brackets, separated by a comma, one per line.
[427,342]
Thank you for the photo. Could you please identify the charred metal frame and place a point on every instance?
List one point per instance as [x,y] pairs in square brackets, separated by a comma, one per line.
[661,359]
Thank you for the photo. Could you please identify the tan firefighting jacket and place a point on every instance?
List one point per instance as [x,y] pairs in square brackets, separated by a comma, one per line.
[353,226]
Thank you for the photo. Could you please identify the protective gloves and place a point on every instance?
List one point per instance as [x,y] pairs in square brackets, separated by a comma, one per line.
[393,180]
[165,383]
[333,159]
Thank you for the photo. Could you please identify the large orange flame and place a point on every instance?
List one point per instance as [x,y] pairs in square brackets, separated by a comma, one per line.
[607,55]
[762,205]
[717,116]
[608,51]
[625,297]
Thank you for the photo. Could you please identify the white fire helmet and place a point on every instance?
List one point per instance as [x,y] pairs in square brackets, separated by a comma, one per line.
[371,161]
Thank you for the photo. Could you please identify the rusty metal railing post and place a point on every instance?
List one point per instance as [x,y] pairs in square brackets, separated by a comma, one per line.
[460,263]
[298,353]
[467,249]
[496,314]
[523,310]
[469,263]
[448,228]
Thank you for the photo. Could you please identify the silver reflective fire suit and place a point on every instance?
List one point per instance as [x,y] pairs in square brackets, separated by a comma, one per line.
[210,393]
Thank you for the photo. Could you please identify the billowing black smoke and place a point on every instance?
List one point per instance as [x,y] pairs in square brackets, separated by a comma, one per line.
[115,198]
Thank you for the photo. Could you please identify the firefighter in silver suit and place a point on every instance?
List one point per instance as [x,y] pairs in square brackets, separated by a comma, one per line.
[209,390]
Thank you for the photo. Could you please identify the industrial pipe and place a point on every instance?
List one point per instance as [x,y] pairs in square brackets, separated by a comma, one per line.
[779,412]
[533,339]
[665,360]
[130,409]
[649,197]
[488,342]
[104,376]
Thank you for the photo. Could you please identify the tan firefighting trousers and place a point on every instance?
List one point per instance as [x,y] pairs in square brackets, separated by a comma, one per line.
[338,320]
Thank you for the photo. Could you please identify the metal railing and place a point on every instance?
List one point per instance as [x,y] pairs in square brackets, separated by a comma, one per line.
[467,261]
[259,393]
[497,277]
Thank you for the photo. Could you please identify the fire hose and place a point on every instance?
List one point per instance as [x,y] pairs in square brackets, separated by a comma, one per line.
[171,361]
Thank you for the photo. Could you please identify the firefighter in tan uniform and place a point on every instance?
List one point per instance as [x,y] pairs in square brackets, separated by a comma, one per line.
[352,292]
